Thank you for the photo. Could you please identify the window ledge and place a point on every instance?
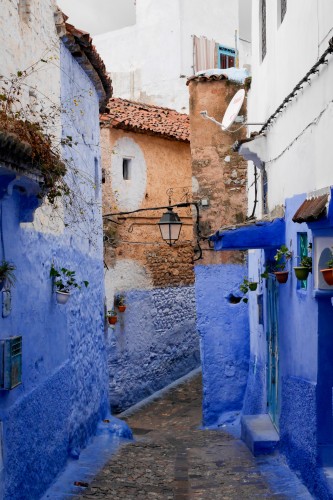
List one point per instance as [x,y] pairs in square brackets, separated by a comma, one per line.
[317,293]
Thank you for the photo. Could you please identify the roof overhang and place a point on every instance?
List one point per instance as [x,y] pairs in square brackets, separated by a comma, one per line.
[254,235]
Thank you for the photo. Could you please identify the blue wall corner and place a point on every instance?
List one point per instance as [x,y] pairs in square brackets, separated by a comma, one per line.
[224,339]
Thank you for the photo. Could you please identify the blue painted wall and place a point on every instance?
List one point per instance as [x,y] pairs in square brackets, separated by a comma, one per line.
[305,360]
[224,339]
[64,391]
[154,343]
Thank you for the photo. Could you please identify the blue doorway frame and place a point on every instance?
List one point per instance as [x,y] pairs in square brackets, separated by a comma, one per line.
[273,393]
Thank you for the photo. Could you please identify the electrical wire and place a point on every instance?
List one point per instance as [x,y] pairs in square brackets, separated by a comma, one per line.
[306,79]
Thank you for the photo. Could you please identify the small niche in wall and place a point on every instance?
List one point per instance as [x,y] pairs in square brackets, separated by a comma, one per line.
[127,167]
[322,254]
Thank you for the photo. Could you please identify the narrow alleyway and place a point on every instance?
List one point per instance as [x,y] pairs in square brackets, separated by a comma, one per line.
[173,459]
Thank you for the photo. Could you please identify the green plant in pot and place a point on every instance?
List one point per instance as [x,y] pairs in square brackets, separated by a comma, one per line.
[247,286]
[64,282]
[112,316]
[282,256]
[120,302]
[302,271]
[7,274]
[328,271]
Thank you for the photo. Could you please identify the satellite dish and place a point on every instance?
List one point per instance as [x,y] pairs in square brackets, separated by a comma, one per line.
[233,109]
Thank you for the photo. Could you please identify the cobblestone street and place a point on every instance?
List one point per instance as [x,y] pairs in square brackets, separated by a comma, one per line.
[173,459]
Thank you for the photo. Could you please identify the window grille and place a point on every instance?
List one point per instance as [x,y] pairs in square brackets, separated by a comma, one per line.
[263,30]
[302,252]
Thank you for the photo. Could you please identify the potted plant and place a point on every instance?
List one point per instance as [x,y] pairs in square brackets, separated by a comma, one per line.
[328,271]
[112,317]
[281,258]
[64,282]
[7,275]
[247,286]
[120,302]
[302,271]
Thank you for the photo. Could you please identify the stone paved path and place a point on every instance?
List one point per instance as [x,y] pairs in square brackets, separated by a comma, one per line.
[173,459]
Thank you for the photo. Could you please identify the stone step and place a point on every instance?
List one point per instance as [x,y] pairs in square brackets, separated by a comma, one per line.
[259,434]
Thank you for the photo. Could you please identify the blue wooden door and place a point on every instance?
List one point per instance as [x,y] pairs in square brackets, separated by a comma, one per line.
[273,351]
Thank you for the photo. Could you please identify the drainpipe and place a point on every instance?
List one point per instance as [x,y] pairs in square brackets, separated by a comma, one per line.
[236,50]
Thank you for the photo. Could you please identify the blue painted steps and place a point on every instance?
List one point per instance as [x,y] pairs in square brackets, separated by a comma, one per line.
[259,434]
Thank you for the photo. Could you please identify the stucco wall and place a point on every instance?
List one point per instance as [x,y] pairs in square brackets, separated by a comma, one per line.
[64,374]
[155,71]
[155,340]
[157,165]
[224,339]
[154,343]
[295,149]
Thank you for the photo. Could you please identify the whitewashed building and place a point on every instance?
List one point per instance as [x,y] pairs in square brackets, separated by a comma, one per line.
[289,392]
[171,40]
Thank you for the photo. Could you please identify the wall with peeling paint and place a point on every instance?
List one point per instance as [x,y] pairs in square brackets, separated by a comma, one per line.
[63,394]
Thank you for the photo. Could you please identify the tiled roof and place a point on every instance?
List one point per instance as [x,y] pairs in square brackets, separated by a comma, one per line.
[79,43]
[312,209]
[204,78]
[146,119]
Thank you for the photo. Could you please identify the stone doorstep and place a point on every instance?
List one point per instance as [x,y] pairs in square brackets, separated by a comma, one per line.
[259,434]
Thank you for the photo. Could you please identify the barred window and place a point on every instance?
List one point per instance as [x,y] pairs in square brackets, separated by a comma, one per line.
[263,29]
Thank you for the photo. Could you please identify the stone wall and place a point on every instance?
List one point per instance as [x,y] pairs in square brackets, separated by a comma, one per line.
[219,174]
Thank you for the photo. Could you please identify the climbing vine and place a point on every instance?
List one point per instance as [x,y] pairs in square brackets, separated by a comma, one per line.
[30,127]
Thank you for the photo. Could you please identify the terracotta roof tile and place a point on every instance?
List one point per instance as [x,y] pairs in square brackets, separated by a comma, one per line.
[312,209]
[203,78]
[146,119]
[79,43]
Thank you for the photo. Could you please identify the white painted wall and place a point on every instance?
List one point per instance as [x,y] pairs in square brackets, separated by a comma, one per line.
[296,149]
[150,61]
[128,194]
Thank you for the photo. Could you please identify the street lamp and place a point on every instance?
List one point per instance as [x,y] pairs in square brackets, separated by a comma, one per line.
[170,226]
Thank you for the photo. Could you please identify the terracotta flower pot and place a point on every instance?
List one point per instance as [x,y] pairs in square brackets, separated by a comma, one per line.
[282,276]
[328,275]
[302,273]
[121,309]
[62,297]
[112,320]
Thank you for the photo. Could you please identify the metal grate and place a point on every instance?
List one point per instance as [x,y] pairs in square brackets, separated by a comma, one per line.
[283,9]
[263,30]
[10,363]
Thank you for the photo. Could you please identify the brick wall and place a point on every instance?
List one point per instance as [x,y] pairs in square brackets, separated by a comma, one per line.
[219,173]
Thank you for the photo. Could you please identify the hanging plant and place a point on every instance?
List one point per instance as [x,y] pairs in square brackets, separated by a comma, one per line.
[120,302]
[302,271]
[112,317]
[247,286]
[7,274]
[64,282]
[328,271]
[282,256]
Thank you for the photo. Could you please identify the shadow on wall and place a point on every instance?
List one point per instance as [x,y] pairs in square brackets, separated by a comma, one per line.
[154,343]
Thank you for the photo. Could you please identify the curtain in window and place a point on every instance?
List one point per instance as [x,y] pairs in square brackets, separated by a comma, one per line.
[204,53]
